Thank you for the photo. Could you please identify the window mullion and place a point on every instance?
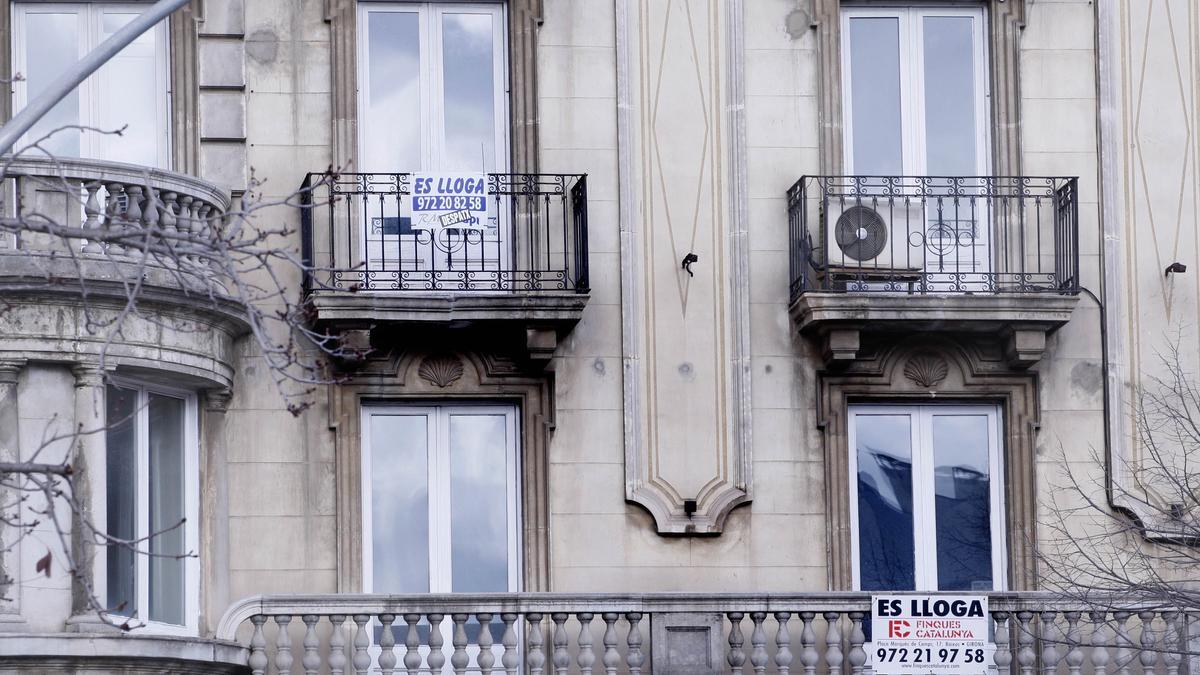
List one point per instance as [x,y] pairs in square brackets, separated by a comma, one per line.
[143,505]
[434,108]
[440,536]
[924,511]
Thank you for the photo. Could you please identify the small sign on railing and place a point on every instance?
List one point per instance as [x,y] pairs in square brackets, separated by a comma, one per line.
[930,634]
[442,200]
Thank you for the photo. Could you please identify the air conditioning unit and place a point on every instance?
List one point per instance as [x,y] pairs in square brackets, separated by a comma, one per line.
[881,237]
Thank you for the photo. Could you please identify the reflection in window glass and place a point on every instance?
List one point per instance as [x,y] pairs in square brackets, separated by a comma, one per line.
[120,440]
[469,92]
[962,502]
[51,47]
[167,508]
[400,503]
[949,61]
[392,119]
[478,503]
[885,502]
[874,44]
[127,96]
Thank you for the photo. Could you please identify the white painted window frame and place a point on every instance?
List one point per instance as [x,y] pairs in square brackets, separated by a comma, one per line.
[924,505]
[438,450]
[89,90]
[432,118]
[191,450]
[912,82]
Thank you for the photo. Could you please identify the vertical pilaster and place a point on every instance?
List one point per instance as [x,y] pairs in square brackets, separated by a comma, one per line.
[87,460]
[10,451]
[214,508]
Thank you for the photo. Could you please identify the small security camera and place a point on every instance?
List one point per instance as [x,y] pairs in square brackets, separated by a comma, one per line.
[1176,267]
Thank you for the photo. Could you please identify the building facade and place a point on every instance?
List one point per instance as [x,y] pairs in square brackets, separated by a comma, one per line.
[762,297]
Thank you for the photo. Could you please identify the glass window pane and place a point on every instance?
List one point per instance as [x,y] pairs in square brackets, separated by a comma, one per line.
[168,544]
[399,503]
[950,129]
[885,502]
[469,92]
[963,502]
[392,119]
[478,503]
[120,439]
[128,95]
[875,95]
[51,47]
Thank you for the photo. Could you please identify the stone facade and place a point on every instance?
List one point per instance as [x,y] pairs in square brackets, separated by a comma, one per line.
[691,120]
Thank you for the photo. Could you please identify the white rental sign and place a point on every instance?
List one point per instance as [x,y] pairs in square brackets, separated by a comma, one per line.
[441,200]
[921,634]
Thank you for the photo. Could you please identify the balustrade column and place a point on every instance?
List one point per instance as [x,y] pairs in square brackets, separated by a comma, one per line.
[92,216]
[634,657]
[737,656]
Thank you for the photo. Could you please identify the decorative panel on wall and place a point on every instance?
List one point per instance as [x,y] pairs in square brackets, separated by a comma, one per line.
[682,190]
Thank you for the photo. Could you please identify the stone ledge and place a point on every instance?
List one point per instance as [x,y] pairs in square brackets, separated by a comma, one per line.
[564,307]
[839,319]
[54,653]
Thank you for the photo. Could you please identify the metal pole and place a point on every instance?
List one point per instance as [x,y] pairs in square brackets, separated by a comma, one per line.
[37,108]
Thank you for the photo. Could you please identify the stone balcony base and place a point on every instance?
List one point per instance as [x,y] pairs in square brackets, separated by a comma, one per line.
[64,653]
[535,320]
[838,320]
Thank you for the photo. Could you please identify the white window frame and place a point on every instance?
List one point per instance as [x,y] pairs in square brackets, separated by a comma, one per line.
[438,449]
[191,459]
[89,90]
[912,83]
[924,504]
[432,118]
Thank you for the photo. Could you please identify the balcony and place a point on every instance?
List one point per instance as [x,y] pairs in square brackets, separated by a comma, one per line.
[910,254]
[670,634]
[374,263]
[83,238]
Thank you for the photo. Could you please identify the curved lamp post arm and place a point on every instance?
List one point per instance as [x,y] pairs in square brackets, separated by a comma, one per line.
[37,108]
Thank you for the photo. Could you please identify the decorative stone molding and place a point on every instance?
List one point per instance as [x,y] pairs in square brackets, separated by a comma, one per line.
[446,371]
[1006,19]
[926,370]
[973,369]
[840,321]
[688,470]
[119,653]
[441,370]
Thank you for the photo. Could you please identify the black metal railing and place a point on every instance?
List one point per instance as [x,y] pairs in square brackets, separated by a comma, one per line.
[360,234]
[910,234]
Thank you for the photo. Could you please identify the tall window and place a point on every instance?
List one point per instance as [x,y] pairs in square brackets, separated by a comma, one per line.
[915,94]
[432,87]
[129,92]
[153,492]
[925,493]
[440,499]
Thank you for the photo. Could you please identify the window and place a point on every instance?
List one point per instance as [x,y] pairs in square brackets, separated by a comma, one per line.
[915,94]
[129,91]
[432,87]
[152,492]
[925,497]
[440,499]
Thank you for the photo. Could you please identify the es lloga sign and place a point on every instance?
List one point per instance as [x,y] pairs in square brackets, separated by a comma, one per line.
[921,634]
[441,200]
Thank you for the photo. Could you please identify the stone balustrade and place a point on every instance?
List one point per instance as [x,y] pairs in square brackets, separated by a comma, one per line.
[1034,634]
[130,208]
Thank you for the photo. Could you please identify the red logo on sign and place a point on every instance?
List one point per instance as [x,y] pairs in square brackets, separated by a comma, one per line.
[898,629]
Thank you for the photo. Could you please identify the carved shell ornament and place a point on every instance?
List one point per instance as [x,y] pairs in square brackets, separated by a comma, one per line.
[442,370]
[926,370]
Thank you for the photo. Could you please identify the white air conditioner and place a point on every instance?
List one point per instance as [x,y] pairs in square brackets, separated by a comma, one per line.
[876,235]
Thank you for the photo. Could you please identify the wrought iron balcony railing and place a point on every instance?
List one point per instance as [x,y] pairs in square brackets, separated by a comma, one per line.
[360,234]
[909,234]
[826,633]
